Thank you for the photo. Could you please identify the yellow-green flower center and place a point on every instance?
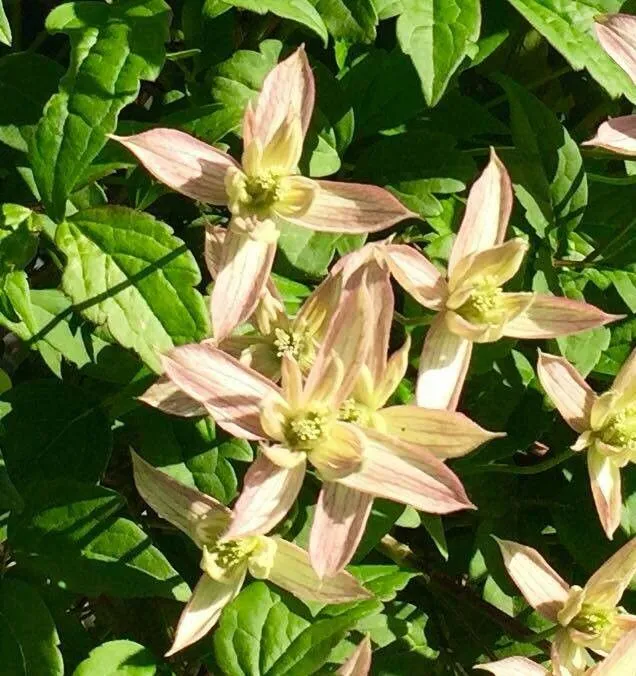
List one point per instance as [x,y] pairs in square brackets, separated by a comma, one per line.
[620,429]
[262,192]
[223,559]
[485,303]
[593,620]
[305,430]
[353,412]
[296,344]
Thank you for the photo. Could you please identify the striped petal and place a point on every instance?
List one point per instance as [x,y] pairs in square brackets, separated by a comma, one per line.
[338,526]
[514,666]
[269,491]
[182,162]
[568,658]
[243,275]
[608,584]
[231,392]
[625,381]
[542,587]
[359,664]
[487,213]
[443,366]
[567,389]
[605,480]
[552,316]
[167,397]
[617,135]
[620,662]
[381,303]
[616,33]
[352,208]
[292,571]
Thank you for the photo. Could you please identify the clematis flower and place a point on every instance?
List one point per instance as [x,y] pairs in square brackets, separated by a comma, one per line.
[620,662]
[226,560]
[265,190]
[472,306]
[606,425]
[588,618]
[359,663]
[300,423]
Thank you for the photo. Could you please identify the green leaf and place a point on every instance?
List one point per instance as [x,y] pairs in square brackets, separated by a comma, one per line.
[301,11]
[118,658]
[70,532]
[263,633]
[113,48]
[384,581]
[306,250]
[438,35]
[349,20]
[18,242]
[51,429]
[547,168]
[130,274]
[28,638]
[5,27]
[569,27]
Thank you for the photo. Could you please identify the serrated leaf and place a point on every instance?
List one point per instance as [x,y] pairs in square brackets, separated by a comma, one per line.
[118,658]
[113,48]
[51,429]
[569,27]
[28,638]
[349,20]
[438,35]
[5,27]
[70,532]
[134,277]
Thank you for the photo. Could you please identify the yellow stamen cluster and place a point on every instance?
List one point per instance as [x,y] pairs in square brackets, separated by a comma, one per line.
[296,344]
[263,191]
[304,430]
[485,303]
[620,429]
[228,555]
[353,412]
[593,620]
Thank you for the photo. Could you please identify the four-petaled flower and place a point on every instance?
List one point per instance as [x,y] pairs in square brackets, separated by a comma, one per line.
[606,425]
[589,617]
[226,559]
[266,190]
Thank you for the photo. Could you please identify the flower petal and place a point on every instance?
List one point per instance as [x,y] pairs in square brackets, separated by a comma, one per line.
[606,587]
[393,373]
[340,454]
[487,213]
[514,666]
[243,275]
[568,658]
[552,316]
[445,434]
[567,390]
[620,662]
[402,473]
[443,366]
[167,397]
[416,275]
[182,162]
[338,526]
[231,392]
[292,571]
[617,135]
[287,91]
[359,663]
[352,208]
[616,34]
[203,610]
[625,381]
[268,493]
[605,480]
[183,506]
[381,303]
[542,587]
[213,250]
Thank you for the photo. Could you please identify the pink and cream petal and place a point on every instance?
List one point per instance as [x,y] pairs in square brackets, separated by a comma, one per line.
[182,506]
[167,397]
[605,480]
[381,304]
[514,666]
[608,584]
[618,135]
[542,587]
[568,658]
[443,366]
[552,316]
[352,208]
[339,521]
[616,34]
[203,610]
[288,91]
[393,374]
[621,661]
[269,491]
[487,213]
[443,433]
[416,275]
[182,162]
[567,390]
[625,381]
[231,392]
[359,663]
[243,275]
[293,572]
[340,454]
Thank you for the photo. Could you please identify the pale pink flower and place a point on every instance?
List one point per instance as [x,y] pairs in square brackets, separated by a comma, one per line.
[359,663]
[227,559]
[606,425]
[471,305]
[265,190]
[588,618]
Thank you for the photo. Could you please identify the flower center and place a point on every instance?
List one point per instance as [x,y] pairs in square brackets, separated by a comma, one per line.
[305,430]
[223,558]
[485,303]
[296,344]
[353,412]
[593,620]
[263,191]
[620,429]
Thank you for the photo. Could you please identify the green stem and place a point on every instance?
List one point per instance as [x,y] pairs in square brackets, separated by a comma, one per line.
[554,75]
[511,469]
